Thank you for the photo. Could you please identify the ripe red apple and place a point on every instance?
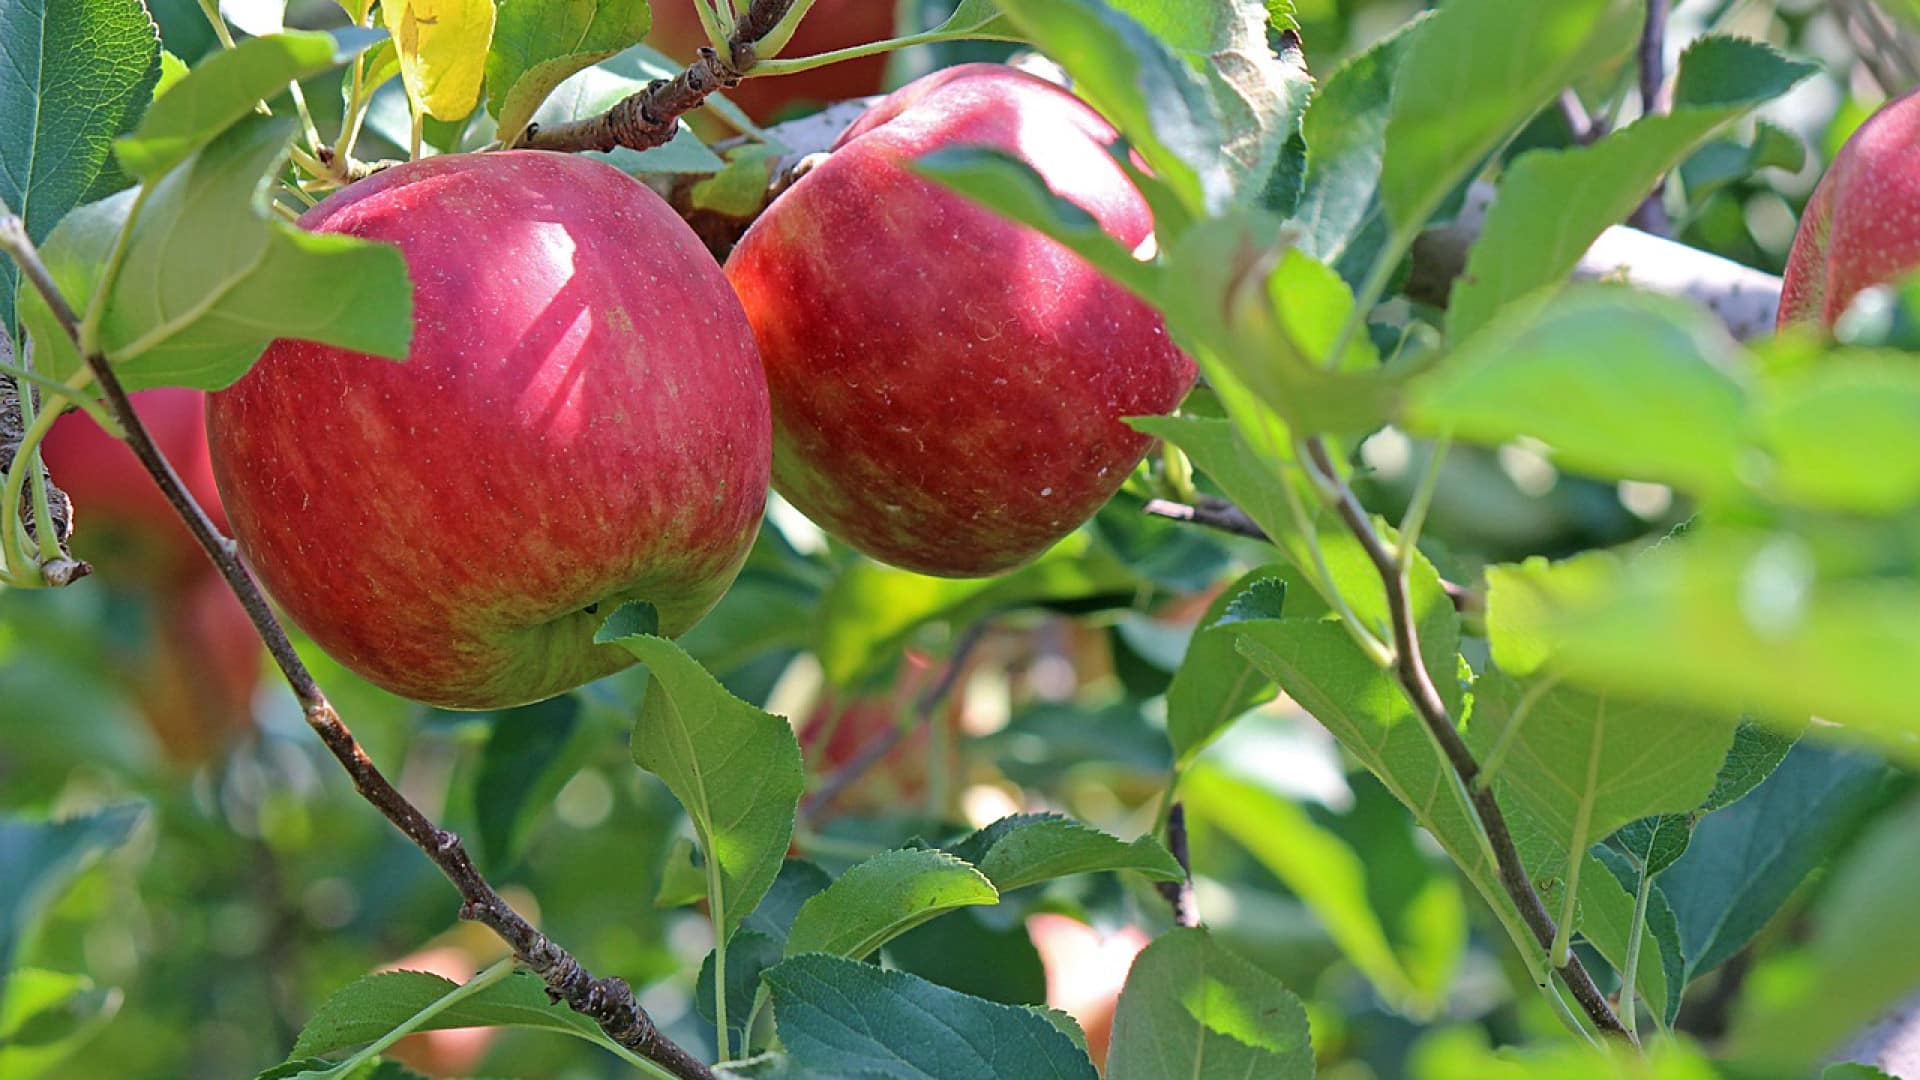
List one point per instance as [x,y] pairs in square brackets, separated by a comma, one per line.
[1862,225]
[948,386]
[830,25]
[123,524]
[582,421]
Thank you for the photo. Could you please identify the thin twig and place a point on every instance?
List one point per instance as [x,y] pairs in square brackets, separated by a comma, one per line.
[1580,120]
[610,1002]
[1179,894]
[923,707]
[1411,671]
[1217,513]
[1654,100]
[651,117]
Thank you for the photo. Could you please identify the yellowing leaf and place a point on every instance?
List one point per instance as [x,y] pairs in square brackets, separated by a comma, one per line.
[443,52]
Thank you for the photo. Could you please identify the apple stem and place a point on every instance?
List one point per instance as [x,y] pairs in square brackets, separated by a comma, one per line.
[610,1001]
[651,117]
[1410,670]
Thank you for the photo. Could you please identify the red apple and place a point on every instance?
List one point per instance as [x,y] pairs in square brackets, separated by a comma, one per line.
[948,386]
[581,422]
[196,686]
[123,524]
[830,25]
[1862,225]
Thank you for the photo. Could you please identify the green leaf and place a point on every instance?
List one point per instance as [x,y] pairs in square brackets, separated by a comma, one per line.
[1009,187]
[735,769]
[1260,91]
[1722,163]
[883,897]
[45,1016]
[1319,867]
[1219,450]
[1475,72]
[1462,1053]
[870,609]
[1853,1070]
[1194,1008]
[1155,98]
[39,859]
[221,91]
[1746,861]
[205,285]
[849,1019]
[1735,621]
[77,75]
[1027,849]
[981,952]
[1340,217]
[537,44]
[797,882]
[322,1069]
[1581,764]
[522,768]
[1798,1006]
[372,1005]
[1656,380]
[1554,204]
[1215,685]
[1853,408]
[1654,843]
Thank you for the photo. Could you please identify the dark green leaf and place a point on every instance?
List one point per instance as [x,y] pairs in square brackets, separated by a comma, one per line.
[523,766]
[1340,217]
[1194,1008]
[977,952]
[735,769]
[45,1016]
[749,954]
[1027,849]
[1745,861]
[851,1019]
[76,76]
[537,44]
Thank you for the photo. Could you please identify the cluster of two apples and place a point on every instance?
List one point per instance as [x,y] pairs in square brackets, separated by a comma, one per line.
[592,408]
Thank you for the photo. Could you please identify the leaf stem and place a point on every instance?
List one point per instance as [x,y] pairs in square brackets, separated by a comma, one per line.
[1630,969]
[855,52]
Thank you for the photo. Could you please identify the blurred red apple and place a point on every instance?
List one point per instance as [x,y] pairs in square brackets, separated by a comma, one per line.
[1862,225]
[948,386]
[196,686]
[830,25]
[581,422]
[1086,971]
[123,524]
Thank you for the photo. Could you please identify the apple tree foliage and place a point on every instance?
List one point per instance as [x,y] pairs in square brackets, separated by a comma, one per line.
[1699,741]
